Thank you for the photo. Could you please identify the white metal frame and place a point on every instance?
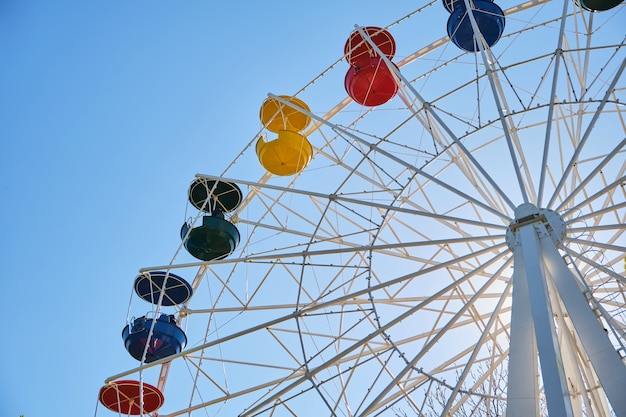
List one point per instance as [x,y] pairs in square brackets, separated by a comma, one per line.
[521,288]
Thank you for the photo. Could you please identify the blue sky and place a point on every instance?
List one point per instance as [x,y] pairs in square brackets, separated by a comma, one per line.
[109,108]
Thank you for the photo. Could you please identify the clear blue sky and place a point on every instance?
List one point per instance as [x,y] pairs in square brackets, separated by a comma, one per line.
[108,109]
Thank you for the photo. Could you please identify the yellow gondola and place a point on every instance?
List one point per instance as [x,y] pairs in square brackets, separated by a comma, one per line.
[277,116]
[288,154]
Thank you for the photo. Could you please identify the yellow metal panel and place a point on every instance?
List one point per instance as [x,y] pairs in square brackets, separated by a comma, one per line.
[289,154]
[277,116]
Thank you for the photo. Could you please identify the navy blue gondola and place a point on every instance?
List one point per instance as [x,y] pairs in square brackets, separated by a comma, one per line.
[161,285]
[167,338]
[489,19]
[215,239]
[450,5]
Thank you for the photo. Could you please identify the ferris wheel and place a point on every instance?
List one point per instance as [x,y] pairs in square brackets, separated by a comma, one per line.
[446,238]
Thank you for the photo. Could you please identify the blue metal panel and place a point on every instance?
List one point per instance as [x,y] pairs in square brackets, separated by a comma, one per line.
[167,338]
[489,17]
[150,285]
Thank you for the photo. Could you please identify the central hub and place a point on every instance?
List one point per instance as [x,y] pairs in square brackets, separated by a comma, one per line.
[527,214]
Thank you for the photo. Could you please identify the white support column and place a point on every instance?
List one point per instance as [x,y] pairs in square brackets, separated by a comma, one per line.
[580,373]
[523,383]
[553,375]
[570,351]
[605,360]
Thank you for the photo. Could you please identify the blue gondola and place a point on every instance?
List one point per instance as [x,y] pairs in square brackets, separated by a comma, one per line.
[489,19]
[167,338]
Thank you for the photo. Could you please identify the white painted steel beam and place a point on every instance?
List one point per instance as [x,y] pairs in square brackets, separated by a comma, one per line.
[606,362]
[580,367]
[523,382]
[554,380]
